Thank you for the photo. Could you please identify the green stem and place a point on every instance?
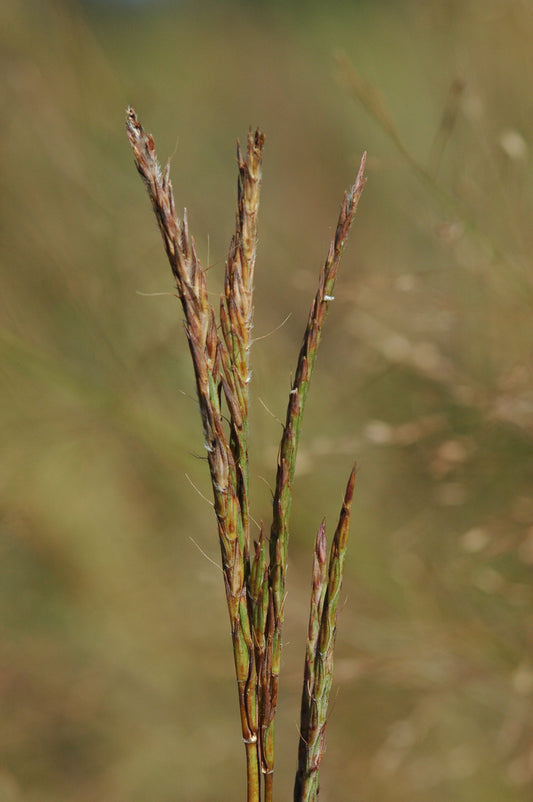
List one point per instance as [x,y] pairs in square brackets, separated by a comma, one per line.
[279,536]
[253,773]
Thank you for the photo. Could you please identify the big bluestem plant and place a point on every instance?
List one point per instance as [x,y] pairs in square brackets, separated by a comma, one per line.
[255,574]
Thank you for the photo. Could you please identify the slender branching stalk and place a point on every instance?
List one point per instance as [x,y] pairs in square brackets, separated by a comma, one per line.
[254,578]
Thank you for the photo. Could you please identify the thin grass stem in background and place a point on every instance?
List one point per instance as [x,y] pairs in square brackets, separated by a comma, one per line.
[371,99]
[255,578]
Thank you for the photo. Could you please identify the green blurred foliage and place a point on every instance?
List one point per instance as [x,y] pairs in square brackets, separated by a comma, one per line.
[116,672]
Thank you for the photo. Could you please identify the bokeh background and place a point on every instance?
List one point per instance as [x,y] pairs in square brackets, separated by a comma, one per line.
[116,676]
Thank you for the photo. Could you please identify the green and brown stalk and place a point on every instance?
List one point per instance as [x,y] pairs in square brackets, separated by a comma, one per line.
[279,534]
[236,312]
[254,582]
[318,669]
[219,364]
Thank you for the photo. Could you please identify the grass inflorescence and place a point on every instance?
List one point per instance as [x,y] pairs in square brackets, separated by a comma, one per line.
[255,574]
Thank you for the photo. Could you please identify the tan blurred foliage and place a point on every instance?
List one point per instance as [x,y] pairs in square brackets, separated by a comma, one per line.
[115,661]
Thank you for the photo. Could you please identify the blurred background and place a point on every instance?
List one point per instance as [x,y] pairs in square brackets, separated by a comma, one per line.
[116,671]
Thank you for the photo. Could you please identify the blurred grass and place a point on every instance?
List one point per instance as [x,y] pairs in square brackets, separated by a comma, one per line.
[112,687]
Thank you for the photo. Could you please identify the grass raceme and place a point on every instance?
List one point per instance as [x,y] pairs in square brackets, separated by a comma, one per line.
[255,572]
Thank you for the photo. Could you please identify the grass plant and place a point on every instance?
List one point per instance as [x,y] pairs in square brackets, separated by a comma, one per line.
[255,575]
